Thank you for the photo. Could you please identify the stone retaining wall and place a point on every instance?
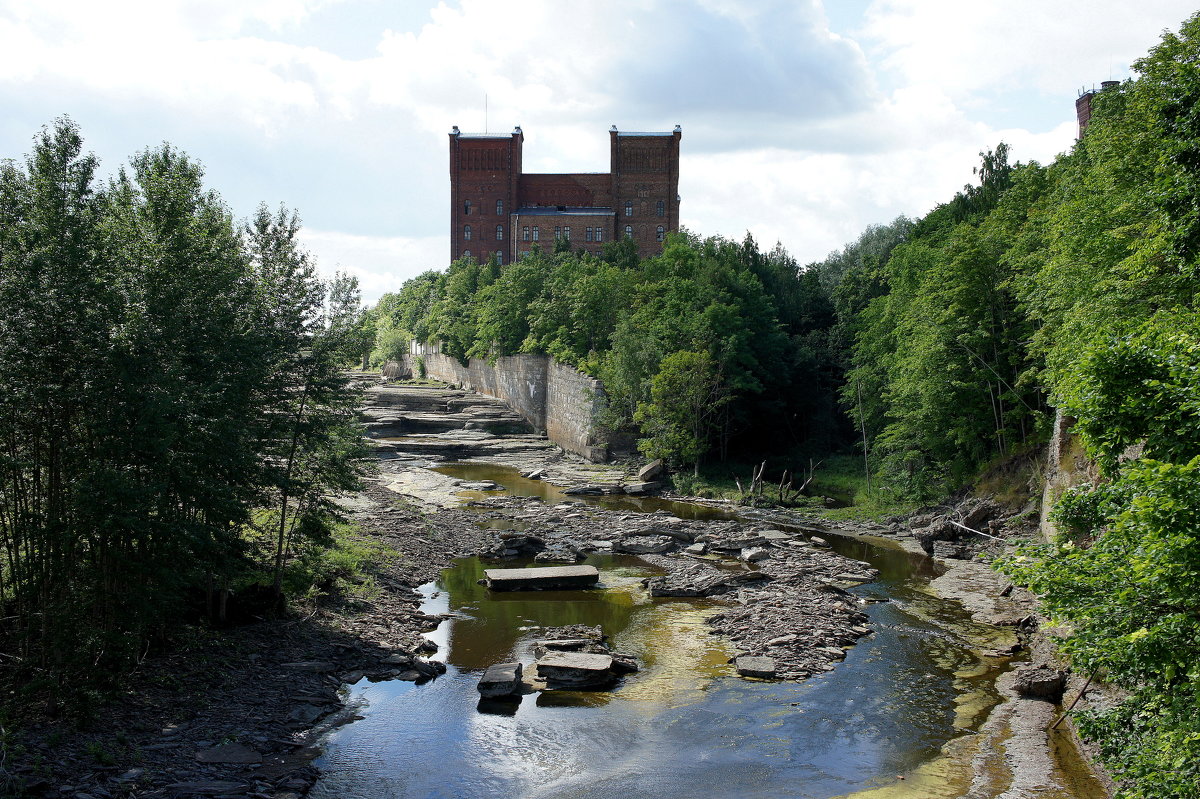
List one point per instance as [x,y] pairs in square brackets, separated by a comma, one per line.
[556,399]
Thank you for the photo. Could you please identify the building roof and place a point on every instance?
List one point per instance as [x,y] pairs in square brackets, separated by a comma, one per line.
[644,133]
[551,210]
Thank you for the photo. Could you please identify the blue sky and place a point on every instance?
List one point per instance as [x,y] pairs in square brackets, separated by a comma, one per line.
[803,122]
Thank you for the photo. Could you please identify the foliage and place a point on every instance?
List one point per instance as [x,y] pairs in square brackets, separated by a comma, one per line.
[686,398]
[161,374]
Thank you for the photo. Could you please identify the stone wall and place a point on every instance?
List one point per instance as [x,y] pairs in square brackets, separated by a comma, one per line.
[553,397]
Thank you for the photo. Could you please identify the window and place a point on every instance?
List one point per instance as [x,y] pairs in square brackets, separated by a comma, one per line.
[499,232]
[467,208]
[660,209]
[525,233]
[536,233]
[466,232]
[557,232]
[466,253]
[587,234]
[660,234]
[567,233]
[628,208]
[499,256]
[629,231]
[599,234]
[500,208]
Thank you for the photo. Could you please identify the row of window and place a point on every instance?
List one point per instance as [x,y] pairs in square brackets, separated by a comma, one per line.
[660,208]
[499,208]
[499,232]
[590,234]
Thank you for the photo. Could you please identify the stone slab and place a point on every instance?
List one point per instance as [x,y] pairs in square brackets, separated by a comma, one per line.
[576,669]
[550,578]
[756,666]
[500,679]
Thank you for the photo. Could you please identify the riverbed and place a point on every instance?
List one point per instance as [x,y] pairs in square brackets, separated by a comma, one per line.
[685,725]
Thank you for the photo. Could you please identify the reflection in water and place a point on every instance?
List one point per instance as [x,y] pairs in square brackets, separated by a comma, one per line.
[516,485]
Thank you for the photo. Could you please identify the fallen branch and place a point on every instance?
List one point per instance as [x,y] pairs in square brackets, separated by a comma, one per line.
[1078,696]
[973,530]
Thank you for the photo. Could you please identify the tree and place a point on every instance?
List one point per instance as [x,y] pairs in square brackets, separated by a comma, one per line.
[686,398]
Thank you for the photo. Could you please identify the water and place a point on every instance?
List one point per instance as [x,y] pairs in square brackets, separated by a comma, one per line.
[684,726]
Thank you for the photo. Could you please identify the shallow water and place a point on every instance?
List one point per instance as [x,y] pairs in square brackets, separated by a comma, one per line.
[682,727]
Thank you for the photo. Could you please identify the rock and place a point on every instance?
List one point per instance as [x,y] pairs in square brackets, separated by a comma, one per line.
[754,554]
[817,541]
[755,666]
[206,787]
[228,753]
[1041,682]
[556,578]
[952,550]
[311,665]
[587,490]
[536,474]
[576,670]
[652,470]
[478,485]
[645,544]
[641,488]
[696,549]
[500,679]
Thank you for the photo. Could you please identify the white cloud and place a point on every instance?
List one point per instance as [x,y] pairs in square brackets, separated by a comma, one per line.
[1048,45]
[381,263]
[790,131]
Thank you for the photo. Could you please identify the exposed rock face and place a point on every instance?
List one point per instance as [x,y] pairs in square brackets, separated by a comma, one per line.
[501,679]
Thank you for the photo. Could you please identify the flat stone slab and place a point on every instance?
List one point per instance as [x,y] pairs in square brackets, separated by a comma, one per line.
[501,679]
[575,669]
[550,578]
[756,666]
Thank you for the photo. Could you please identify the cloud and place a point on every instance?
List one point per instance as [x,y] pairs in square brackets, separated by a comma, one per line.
[381,263]
[1052,46]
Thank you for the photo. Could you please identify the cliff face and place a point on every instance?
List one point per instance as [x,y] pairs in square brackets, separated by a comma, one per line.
[1067,465]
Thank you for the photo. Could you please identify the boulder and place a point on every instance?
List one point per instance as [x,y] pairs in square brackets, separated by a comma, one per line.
[754,554]
[652,471]
[501,679]
[1041,682]
[756,666]
[641,488]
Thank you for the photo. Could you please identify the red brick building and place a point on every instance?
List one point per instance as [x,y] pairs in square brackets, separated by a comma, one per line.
[496,208]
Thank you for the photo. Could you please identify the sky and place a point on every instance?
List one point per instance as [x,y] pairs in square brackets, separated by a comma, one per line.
[803,122]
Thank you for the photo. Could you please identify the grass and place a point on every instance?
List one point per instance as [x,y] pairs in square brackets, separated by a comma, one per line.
[839,476]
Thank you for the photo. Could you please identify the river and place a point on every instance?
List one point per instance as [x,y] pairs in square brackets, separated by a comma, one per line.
[685,725]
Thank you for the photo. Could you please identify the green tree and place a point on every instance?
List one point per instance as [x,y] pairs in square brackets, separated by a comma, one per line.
[686,398]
